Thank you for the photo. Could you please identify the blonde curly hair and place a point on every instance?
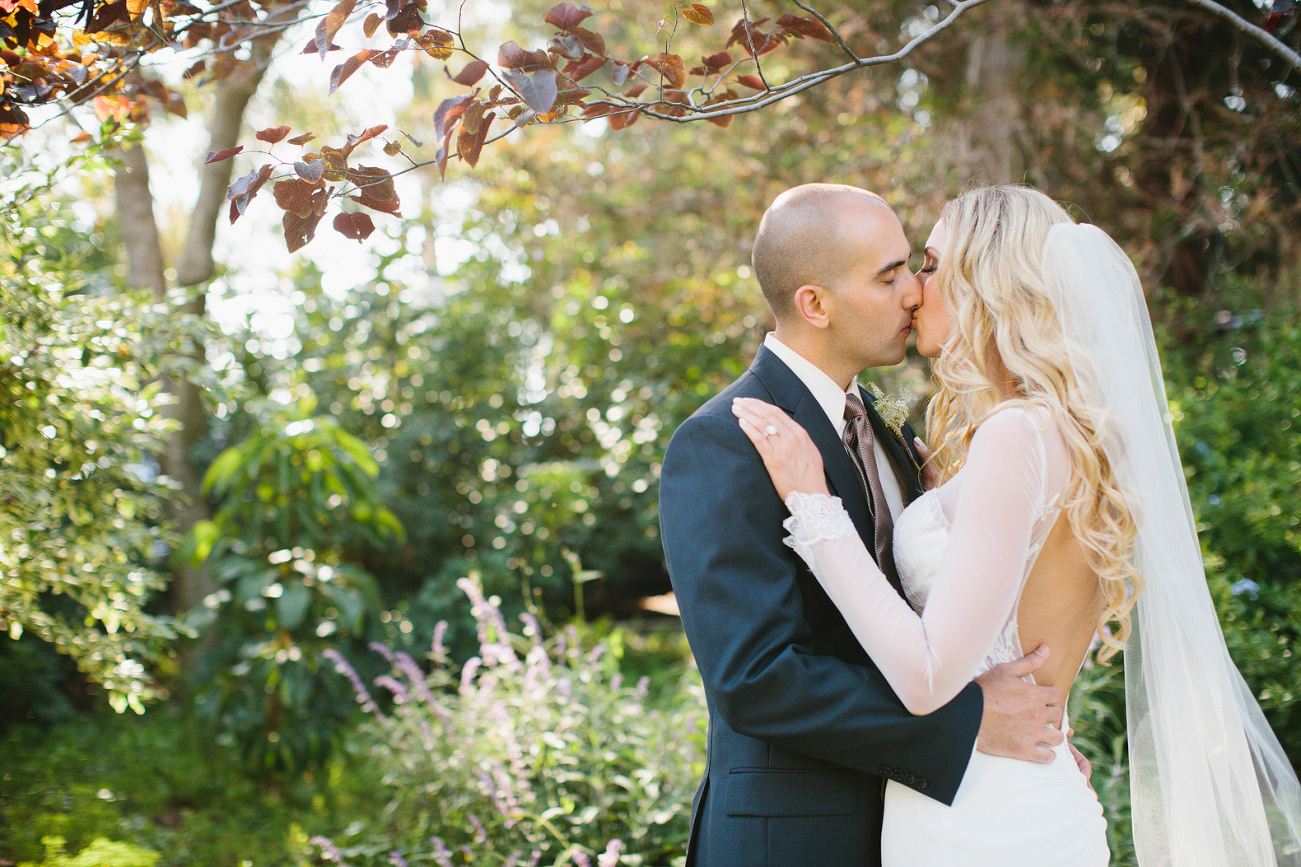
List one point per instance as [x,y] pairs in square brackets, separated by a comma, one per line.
[1006,332]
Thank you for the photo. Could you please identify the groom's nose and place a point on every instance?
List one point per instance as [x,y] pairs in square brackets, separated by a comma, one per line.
[912,292]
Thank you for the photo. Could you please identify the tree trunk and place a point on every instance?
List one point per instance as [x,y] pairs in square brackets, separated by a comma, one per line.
[145,269]
[987,142]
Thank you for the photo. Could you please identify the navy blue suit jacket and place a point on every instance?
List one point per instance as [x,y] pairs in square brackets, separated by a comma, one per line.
[803,728]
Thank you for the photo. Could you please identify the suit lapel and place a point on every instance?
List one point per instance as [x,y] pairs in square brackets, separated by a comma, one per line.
[793,396]
[902,458]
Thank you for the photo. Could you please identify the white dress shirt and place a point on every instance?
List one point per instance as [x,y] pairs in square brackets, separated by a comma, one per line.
[832,400]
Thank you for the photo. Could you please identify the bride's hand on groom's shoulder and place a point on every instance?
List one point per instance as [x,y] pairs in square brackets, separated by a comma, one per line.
[792,460]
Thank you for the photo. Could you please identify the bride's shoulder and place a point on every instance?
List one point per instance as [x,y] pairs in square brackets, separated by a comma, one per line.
[1016,419]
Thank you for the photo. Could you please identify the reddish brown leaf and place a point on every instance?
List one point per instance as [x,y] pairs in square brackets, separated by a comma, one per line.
[366,135]
[636,90]
[312,171]
[393,148]
[218,156]
[273,134]
[330,24]
[344,70]
[567,16]
[810,27]
[717,61]
[753,82]
[470,144]
[511,56]
[697,13]
[384,206]
[584,68]
[597,109]
[302,139]
[82,138]
[672,68]
[300,229]
[374,183]
[623,118]
[299,197]
[593,42]
[384,59]
[470,75]
[448,114]
[537,89]
[406,20]
[373,21]
[336,162]
[436,42]
[309,48]
[243,190]
[196,69]
[356,226]
[174,103]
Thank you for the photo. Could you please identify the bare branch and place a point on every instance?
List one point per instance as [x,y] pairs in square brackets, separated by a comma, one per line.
[827,24]
[1275,45]
[813,79]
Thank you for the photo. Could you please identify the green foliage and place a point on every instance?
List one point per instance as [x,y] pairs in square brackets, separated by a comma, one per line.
[535,748]
[100,853]
[1233,395]
[80,415]
[292,492]
[155,782]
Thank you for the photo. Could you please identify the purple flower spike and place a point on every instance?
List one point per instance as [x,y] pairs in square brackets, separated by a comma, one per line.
[441,855]
[581,859]
[397,860]
[382,651]
[342,666]
[440,632]
[610,857]
[329,851]
[399,691]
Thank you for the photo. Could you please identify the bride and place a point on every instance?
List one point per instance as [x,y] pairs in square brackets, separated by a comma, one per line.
[1060,512]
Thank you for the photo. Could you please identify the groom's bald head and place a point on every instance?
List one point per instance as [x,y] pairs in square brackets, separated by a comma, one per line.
[806,238]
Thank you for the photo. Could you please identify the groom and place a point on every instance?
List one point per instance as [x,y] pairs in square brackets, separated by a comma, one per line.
[803,728]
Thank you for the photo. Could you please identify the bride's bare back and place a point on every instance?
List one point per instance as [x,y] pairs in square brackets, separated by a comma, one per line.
[1060,606]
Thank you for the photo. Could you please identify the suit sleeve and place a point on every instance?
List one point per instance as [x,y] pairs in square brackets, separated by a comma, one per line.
[742,606]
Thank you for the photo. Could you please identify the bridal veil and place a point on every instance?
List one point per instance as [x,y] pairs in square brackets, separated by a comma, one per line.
[1210,784]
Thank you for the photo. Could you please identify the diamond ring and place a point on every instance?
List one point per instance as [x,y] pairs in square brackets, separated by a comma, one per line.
[769,430]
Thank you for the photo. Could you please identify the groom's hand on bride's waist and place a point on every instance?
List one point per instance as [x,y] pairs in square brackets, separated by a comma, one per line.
[1021,720]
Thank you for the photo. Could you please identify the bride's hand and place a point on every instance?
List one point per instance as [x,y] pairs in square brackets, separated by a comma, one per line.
[792,460]
[930,475]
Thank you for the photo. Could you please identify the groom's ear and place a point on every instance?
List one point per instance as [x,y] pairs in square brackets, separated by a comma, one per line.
[812,305]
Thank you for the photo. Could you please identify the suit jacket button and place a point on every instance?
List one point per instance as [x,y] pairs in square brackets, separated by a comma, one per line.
[885,772]
[921,784]
[909,779]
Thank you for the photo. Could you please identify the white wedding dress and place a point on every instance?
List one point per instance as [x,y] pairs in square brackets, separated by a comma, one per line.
[963,552]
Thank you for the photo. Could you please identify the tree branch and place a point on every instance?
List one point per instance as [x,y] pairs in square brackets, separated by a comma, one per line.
[1272,43]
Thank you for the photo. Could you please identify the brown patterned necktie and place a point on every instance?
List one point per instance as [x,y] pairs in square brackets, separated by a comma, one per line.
[858,439]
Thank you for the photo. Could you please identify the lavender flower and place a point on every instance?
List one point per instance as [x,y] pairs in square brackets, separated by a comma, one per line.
[480,833]
[382,651]
[329,851]
[580,858]
[441,855]
[610,857]
[467,674]
[397,860]
[399,691]
[342,666]
[436,646]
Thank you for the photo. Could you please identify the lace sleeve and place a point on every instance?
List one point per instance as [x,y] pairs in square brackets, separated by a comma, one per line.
[929,658]
[815,518]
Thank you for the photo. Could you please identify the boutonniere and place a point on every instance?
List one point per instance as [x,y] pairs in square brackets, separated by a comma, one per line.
[893,411]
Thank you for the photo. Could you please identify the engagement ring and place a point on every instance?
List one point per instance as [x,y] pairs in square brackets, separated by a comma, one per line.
[769,430]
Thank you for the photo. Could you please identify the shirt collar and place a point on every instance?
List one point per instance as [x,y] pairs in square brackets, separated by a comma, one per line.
[824,389]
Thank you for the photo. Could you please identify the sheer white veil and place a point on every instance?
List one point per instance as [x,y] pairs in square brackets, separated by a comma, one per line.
[1210,785]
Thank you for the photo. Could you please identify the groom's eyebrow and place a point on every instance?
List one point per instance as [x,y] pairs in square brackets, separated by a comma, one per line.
[892,266]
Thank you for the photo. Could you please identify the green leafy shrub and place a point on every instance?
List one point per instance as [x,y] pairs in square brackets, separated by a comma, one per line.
[100,853]
[535,749]
[80,414]
[292,492]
